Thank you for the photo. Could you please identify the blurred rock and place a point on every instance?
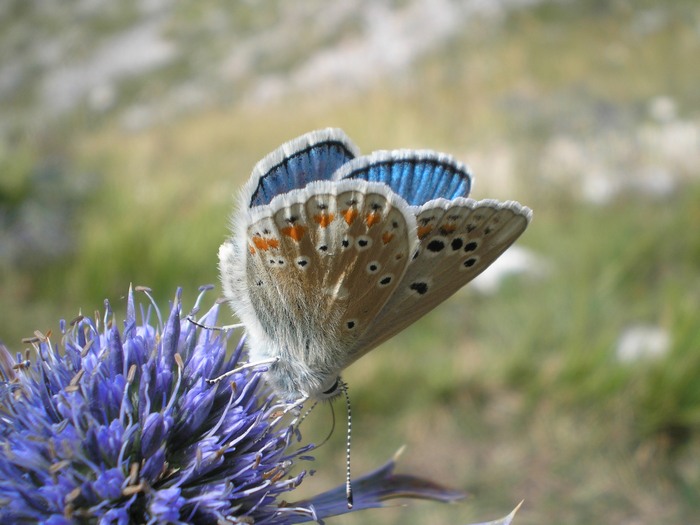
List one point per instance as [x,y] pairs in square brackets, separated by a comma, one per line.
[640,342]
[514,261]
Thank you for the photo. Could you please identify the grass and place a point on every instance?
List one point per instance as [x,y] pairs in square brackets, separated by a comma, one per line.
[511,396]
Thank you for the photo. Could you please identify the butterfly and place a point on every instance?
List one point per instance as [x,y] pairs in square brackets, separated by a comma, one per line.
[333,253]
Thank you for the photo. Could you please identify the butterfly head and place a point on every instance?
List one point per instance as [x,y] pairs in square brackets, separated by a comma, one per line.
[292,382]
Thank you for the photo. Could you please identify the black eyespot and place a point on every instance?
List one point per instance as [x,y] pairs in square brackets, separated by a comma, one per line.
[345,243]
[363,242]
[350,325]
[321,206]
[419,287]
[292,219]
[470,246]
[386,280]
[302,262]
[456,243]
[323,248]
[436,245]
[259,283]
[469,262]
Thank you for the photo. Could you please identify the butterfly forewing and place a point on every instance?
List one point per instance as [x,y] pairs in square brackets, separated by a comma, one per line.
[313,156]
[326,259]
[458,240]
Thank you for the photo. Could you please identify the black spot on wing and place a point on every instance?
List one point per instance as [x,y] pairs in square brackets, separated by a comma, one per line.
[419,287]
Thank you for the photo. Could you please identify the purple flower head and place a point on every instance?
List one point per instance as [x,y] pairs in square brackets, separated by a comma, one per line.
[116,427]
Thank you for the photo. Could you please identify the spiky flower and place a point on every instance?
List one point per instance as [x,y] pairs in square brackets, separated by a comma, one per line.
[116,427]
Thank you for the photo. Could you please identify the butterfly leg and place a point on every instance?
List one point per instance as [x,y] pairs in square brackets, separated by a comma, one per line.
[246,366]
[224,328]
[296,404]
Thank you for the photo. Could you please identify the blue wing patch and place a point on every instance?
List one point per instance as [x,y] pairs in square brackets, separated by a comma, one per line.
[417,176]
[314,156]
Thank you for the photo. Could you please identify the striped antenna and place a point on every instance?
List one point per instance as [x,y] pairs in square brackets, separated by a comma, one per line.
[348,483]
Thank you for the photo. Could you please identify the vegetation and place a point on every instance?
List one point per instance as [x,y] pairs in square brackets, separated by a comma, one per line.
[512,395]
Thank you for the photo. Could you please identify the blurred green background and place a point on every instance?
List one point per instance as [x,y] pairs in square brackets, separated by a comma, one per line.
[571,379]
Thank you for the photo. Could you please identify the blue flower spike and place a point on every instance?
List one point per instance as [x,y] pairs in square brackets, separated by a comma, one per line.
[111,426]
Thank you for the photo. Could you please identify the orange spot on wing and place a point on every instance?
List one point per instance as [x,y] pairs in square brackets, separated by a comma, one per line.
[251,249]
[260,243]
[373,218]
[448,228]
[386,237]
[424,230]
[264,244]
[324,219]
[350,215]
[296,231]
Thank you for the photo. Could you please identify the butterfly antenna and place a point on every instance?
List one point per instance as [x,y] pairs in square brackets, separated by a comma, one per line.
[305,414]
[348,483]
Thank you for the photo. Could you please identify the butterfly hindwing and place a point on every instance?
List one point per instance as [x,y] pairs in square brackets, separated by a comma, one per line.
[322,262]
[416,176]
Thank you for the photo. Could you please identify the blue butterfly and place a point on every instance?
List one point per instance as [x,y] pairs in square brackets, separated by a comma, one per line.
[333,253]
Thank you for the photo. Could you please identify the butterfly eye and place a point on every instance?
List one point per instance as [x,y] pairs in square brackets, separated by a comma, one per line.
[333,389]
